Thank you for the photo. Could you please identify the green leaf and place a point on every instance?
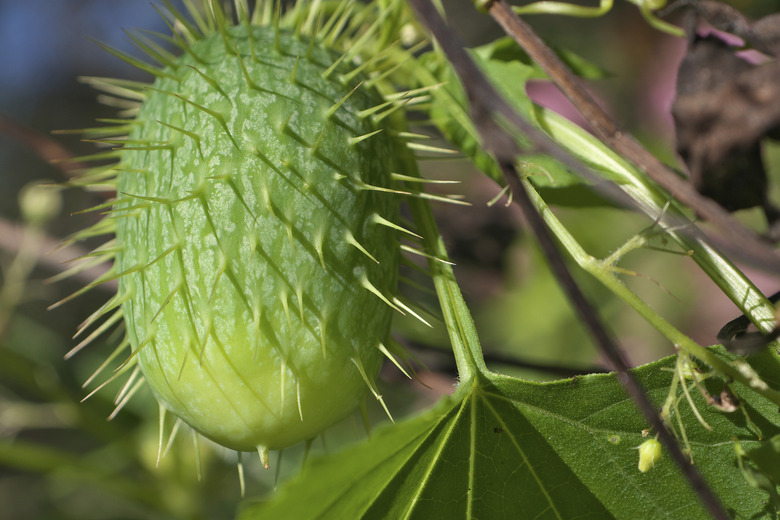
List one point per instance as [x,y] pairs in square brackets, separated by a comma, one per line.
[505,448]
[469,457]
[506,50]
[767,457]
[765,477]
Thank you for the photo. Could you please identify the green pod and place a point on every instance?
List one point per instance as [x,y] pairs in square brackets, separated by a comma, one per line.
[255,261]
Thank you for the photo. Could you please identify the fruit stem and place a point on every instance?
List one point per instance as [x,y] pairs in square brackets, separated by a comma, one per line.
[460,324]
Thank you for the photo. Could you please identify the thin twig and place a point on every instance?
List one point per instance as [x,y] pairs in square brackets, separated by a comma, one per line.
[736,238]
[52,254]
[41,145]
[486,105]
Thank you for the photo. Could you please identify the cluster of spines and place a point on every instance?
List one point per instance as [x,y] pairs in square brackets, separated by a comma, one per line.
[127,95]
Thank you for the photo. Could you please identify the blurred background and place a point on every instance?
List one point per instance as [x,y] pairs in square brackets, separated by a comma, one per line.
[61,459]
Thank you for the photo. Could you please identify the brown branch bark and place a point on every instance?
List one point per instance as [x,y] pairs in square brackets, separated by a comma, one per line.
[736,239]
[41,145]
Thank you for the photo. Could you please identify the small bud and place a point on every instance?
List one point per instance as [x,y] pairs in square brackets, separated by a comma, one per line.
[649,454]
[410,34]
[39,202]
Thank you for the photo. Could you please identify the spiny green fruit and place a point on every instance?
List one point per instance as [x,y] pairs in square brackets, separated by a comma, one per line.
[247,238]
[256,247]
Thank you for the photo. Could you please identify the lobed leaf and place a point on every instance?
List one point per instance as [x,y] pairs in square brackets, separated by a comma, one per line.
[505,448]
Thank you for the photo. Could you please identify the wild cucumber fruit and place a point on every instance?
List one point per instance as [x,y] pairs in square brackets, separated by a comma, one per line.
[256,250]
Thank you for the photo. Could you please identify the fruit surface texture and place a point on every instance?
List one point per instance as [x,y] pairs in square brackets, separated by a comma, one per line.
[255,264]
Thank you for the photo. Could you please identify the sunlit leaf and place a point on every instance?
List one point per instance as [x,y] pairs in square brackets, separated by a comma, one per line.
[504,448]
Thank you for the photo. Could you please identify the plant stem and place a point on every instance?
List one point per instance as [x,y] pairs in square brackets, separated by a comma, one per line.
[16,276]
[655,204]
[460,325]
[457,317]
[603,273]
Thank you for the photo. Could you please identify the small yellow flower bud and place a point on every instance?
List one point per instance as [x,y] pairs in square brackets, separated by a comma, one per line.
[649,454]
[39,203]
